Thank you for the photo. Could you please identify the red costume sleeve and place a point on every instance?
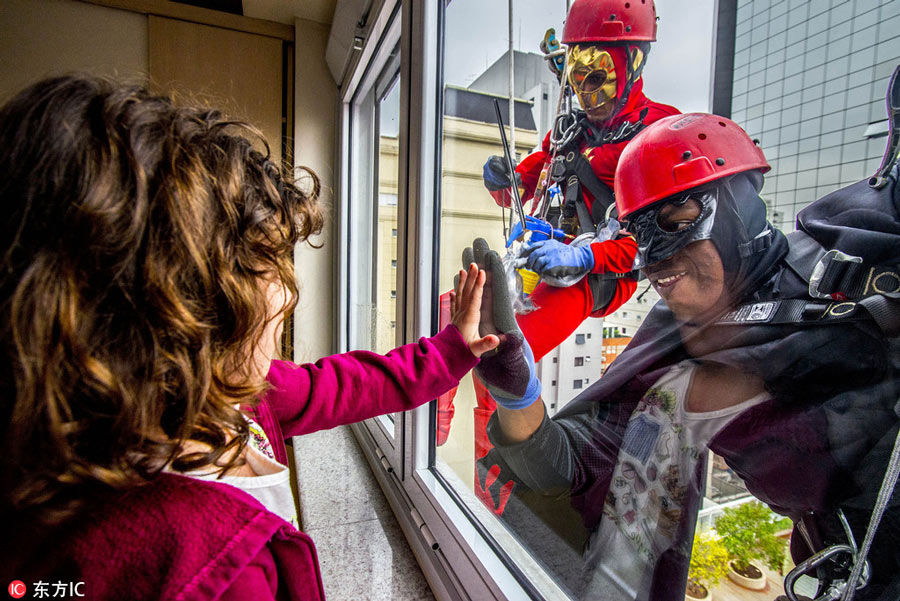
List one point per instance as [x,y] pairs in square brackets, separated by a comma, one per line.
[615,256]
[560,311]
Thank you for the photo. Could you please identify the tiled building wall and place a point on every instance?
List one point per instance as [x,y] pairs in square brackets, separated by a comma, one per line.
[810,76]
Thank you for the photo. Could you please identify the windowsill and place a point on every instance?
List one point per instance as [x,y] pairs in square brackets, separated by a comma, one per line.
[362,551]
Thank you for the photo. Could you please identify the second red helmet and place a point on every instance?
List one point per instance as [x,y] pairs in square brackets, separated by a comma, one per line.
[610,21]
[679,153]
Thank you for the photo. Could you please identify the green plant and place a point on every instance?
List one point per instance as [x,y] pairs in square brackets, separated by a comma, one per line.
[708,561]
[748,532]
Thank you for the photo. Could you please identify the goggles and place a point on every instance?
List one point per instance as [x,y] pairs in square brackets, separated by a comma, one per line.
[668,226]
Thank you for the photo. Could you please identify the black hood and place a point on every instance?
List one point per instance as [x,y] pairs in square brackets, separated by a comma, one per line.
[749,246]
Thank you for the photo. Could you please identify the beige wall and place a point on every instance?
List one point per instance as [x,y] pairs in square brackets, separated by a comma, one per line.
[47,37]
[44,37]
[235,71]
[315,104]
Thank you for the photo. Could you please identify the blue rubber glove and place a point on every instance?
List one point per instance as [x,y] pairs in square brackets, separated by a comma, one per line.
[496,174]
[508,371]
[555,259]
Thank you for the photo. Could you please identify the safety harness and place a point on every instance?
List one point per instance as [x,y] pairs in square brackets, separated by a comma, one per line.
[858,291]
[842,288]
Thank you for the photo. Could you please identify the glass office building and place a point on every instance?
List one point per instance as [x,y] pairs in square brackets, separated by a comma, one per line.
[808,80]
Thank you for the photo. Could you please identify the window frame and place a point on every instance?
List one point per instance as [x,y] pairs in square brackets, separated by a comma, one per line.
[458,556]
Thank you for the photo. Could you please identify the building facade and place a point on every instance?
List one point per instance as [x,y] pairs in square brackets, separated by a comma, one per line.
[808,79]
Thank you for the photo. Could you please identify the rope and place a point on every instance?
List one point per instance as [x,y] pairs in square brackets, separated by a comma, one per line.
[884,495]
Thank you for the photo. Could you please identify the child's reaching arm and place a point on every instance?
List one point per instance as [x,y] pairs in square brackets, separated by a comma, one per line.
[354,386]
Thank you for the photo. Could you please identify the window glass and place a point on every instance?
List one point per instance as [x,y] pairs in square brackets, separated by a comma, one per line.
[374,169]
[385,247]
[476,72]
[640,462]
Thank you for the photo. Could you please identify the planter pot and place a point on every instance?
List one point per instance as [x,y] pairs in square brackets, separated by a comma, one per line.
[689,597]
[754,584]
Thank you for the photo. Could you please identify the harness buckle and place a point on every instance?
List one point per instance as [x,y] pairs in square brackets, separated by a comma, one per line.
[830,260]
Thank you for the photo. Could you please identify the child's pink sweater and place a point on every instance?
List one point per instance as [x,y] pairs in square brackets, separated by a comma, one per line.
[182,538]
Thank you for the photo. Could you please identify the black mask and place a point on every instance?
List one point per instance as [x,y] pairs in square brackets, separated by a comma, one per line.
[665,227]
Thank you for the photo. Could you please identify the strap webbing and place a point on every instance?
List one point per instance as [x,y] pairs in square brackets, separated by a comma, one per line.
[796,311]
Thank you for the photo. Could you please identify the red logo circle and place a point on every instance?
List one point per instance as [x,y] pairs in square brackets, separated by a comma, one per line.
[17,589]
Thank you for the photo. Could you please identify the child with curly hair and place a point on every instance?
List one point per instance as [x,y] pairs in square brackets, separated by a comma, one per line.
[146,271]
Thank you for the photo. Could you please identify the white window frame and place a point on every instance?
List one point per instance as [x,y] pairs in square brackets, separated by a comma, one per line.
[463,550]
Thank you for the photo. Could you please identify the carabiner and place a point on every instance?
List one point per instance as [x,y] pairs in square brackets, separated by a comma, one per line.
[835,589]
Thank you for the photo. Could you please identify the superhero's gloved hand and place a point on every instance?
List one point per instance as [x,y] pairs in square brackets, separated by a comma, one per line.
[496,174]
[555,259]
[508,371]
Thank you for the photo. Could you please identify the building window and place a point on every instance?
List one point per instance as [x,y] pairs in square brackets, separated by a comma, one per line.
[577,384]
[393,294]
[552,382]
[555,359]
[624,331]
[394,232]
[589,335]
[579,338]
[587,381]
[393,262]
[579,361]
[587,358]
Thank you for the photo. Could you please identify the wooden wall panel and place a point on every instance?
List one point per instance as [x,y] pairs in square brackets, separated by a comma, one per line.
[236,71]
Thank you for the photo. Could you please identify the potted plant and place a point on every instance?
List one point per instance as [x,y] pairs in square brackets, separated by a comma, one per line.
[708,566]
[748,532]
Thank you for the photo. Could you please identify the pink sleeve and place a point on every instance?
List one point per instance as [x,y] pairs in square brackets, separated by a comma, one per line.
[350,387]
[257,581]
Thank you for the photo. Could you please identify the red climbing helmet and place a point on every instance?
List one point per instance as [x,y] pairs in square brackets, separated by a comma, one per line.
[682,152]
[610,21]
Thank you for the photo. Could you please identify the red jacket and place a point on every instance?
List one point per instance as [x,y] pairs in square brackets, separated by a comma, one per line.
[181,538]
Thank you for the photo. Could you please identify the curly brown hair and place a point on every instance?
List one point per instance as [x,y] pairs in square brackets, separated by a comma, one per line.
[138,242]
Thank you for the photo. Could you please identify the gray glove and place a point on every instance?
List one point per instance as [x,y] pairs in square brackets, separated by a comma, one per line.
[508,371]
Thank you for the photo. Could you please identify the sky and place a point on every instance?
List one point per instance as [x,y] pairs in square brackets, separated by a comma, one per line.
[678,70]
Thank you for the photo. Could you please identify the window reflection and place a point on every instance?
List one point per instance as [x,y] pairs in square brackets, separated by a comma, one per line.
[627,474]
[385,262]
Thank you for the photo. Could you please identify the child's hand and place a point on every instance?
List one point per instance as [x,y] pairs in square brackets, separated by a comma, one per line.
[465,310]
